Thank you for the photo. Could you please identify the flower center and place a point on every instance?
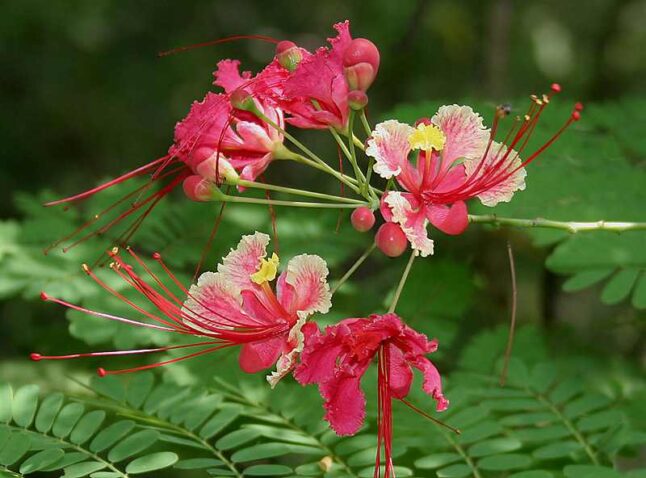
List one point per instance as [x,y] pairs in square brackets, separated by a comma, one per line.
[427,137]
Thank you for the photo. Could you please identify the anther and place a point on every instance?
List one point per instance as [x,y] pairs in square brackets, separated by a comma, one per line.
[578,106]
[576,116]
[156,256]
[101,372]
[35,357]
[556,88]
[44,296]
[527,117]
[546,99]
[85,268]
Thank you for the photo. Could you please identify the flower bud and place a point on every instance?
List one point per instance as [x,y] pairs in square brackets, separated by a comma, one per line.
[391,240]
[361,63]
[288,55]
[242,100]
[197,188]
[362,219]
[357,100]
[208,168]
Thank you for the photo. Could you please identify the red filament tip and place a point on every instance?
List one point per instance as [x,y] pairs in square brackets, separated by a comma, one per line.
[556,88]
[35,357]
[101,372]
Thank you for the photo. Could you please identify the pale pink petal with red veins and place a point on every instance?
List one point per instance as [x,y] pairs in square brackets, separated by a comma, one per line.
[306,275]
[466,135]
[432,382]
[452,219]
[254,169]
[384,208]
[400,376]
[412,219]
[345,403]
[289,358]
[244,260]
[502,189]
[227,75]
[388,145]
[213,303]
[254,137]
[208,168]
[260,355]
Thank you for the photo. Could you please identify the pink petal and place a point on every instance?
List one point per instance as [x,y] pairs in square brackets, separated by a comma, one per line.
[244,260]
[306,275]
[503,189]
[255,168]
[452,219]
[319,357]
[345,404]
[432,381]
[254,137]
[412,219]
[388,145]
[298,334]
[466,135]
[400,376]
[213,303]
[227,75]
[257,356]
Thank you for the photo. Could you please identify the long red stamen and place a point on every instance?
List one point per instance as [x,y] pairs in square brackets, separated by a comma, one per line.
[209,242]
[219,41]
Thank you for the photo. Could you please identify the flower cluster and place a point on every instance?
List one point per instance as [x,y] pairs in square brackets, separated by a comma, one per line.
[431,168]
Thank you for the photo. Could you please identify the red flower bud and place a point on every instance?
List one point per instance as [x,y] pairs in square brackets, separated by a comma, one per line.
[391,240]
[288,55]
[362,219]
[361,63]
[357,100]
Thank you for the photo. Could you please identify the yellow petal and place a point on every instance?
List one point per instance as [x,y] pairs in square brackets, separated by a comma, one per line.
[267,271]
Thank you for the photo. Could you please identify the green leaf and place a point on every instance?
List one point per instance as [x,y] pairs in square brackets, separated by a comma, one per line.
[67,418]
[495,446]
[590,471]
[585,405]
[41,460]
[532,474]
[584,279]
[6,398]
[237,438]
[47,412]
[639,295]
[510,461]
[557,450]
[87,427]
[599,420]
[455,471]
[110,435]
[219,422]
[152,462]
[83,469]
[132,445]
[15,448]
[619,286]
[436,460]
[399,471]
[139,388]
[268,470]
[67,460]
[197,463]
[25,402]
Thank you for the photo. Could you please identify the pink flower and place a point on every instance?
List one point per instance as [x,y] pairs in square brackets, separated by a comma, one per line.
[457,159]
[234,306]
[315,93]
[338,359]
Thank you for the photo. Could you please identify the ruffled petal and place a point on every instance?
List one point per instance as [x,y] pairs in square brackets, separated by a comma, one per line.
[388,145]
[345,404]
[227,75]
[493,167]
[452,219]
[213,303]
[412,219]
[296,341]
[432,381]
[466,135]
[319,356]
[257,356]
[255,168]
[244,260]
[306,283]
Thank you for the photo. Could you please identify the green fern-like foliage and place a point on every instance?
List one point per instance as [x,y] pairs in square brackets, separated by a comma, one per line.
[61,434]
[570,182]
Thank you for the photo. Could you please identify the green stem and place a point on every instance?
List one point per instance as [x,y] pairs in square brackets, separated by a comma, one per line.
[402,282]
[220,196]
[572,227]
[299,192]
[350,153]
[364,121]
[354,267]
